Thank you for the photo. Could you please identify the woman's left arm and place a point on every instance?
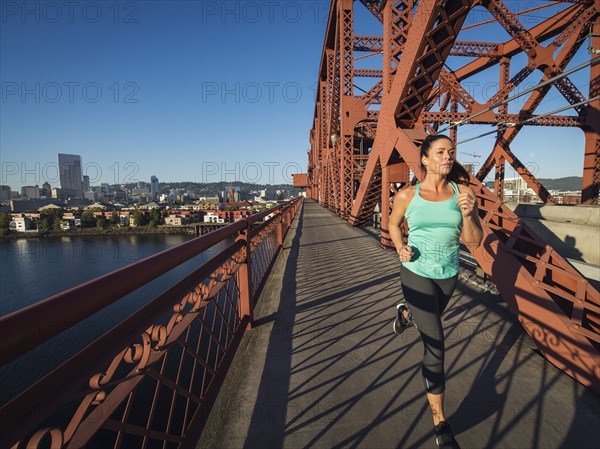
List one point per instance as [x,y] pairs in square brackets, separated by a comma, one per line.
[472,233]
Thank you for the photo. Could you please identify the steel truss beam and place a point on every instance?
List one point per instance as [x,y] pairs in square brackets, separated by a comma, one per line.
[359,154]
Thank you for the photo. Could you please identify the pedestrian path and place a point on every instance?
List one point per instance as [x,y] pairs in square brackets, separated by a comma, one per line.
[322,369]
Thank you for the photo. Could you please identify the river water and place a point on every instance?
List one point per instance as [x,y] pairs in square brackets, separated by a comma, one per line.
[34,269]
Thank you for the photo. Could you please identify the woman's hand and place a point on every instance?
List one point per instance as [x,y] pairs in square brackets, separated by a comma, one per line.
[472,232]
[466,203]
[406,253]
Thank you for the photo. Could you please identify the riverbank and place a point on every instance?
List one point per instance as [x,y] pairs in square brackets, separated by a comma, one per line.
[94,232]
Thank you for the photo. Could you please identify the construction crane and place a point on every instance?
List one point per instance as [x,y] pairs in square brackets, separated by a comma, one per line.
[473,155]
[471,165]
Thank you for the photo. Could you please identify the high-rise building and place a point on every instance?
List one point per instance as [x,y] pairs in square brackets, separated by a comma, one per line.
[517,183]
[31,192]
[86,183]
[71,181]
[154,187]
[46,190]
[91,195]
[5,193]
[231,194]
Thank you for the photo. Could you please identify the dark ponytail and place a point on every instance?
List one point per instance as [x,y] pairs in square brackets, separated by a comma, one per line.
[458,174]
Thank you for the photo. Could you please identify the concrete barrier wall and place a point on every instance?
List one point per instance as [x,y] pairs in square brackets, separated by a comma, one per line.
[573,231]
[582,215]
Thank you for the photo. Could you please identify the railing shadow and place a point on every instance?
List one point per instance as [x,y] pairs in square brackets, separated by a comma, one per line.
[269,412]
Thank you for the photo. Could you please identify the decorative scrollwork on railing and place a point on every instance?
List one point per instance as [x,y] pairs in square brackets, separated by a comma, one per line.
[264,231]
[56,438]
[191,336]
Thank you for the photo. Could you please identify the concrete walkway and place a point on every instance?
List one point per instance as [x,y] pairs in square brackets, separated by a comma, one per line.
[322,368]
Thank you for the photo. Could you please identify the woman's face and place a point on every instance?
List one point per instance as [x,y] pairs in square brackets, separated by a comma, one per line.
[440,158]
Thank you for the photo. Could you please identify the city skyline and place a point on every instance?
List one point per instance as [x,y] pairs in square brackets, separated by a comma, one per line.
[73,186]
[73,183]
[254,186]
[148,183]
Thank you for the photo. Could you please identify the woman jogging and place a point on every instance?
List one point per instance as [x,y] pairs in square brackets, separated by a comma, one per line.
[438,210]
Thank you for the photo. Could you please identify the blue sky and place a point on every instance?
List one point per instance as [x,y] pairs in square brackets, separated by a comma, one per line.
[188,91]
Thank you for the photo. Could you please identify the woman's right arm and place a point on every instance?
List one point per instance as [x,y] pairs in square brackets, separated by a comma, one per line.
[401,201]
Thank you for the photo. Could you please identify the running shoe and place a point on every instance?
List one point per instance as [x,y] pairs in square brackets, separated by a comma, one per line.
[444,436]
[401,323]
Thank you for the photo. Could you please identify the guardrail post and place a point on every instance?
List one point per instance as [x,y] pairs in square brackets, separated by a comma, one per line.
[245,279]
[288,219]
[280,229]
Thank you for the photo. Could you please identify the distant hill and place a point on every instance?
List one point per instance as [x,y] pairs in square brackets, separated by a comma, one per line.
[563,184]
[223,185]
[569,183]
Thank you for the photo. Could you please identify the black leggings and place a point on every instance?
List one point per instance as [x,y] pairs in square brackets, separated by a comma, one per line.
[427,299]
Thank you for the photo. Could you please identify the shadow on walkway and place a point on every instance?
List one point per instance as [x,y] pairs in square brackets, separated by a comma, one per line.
[322,369]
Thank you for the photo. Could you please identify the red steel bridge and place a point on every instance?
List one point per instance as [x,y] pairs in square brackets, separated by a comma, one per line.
[151,380]
[365,143]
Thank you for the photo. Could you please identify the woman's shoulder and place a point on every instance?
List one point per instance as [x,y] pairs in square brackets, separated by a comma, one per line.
[405,195]
[464,188]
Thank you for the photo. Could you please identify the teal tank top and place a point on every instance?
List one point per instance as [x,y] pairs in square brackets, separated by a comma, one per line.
[433,234]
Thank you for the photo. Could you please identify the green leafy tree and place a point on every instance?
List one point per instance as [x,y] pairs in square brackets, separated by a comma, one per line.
[101,223]
[114,218]
[5,220]
[45,222]
[156,218]
[54,216]
[156,215]
[88,219]
[139,218]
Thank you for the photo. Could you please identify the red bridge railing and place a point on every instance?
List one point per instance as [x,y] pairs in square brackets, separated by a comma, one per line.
[151,380]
